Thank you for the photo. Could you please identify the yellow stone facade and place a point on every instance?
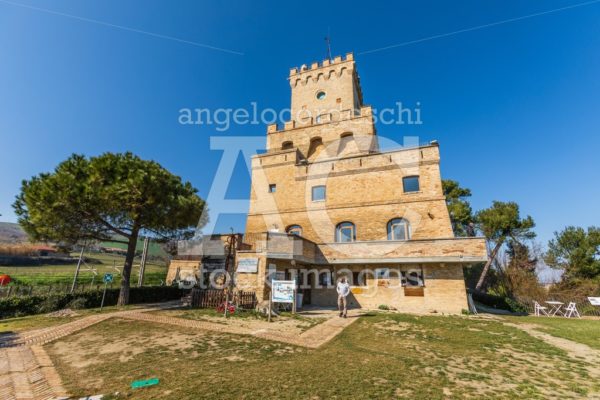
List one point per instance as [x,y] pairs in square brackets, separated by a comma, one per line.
[331,142]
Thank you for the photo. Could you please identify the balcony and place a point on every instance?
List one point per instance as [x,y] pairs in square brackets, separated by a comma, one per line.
[292,247]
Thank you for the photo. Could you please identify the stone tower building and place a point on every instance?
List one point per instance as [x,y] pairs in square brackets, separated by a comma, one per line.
[327,202]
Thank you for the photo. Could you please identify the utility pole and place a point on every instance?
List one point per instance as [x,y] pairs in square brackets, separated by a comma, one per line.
[77,269]
[143,262]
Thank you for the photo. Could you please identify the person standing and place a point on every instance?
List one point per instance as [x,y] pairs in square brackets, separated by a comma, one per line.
[343,290]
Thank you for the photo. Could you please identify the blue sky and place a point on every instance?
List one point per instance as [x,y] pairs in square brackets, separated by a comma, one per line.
[515,106]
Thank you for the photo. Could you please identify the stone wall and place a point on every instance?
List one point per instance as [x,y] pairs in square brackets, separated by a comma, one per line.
[347,182]
[191,268]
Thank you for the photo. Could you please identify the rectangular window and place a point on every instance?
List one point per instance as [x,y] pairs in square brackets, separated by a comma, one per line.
[360,278]
[272,188]
[318,193]
[382,273]
[325,279]
[412,277]
[410,184]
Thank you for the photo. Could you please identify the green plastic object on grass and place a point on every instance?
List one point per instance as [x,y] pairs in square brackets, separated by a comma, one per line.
[144,383]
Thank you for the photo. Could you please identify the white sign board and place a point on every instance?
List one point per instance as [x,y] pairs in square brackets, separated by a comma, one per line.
[248,265]
[283,291]
[595,301]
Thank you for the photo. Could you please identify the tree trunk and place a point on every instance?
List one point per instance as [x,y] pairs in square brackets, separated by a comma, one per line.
[488,264]
[126,275]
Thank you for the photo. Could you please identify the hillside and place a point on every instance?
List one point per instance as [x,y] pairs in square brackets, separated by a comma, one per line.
[11,233]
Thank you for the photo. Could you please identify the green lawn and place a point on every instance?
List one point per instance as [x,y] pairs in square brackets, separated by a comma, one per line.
[586,331]
[63,274]
[154,249]
[210,314]
[379,356]
[44,320]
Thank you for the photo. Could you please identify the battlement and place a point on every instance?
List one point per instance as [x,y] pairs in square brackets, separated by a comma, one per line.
[318,65]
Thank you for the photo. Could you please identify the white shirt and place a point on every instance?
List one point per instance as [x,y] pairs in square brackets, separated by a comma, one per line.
[343,288]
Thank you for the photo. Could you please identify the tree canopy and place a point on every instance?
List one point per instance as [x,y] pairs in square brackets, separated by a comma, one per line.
[576,251]
[459,208]
[110,195]
[500,222]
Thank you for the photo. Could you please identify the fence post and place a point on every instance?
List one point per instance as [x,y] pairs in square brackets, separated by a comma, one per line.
[9,291]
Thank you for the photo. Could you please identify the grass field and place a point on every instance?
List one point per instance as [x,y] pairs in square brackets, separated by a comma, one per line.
[154,249]
[586,331]
[379,356]
[63,274]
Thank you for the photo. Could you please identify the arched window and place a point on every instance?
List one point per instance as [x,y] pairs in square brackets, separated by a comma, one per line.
[294,230]
[398,229]
[287,145]
[347,144]
[316,145]
[345,232]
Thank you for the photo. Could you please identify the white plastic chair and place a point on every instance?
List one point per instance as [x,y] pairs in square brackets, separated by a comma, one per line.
[571,310]
[539,309]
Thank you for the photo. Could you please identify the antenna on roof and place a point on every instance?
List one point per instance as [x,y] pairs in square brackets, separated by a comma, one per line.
[328,41]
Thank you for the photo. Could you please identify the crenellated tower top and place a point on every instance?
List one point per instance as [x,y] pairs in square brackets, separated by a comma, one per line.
[322,87]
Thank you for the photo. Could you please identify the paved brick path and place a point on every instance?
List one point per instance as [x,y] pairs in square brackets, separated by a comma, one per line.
[27,373]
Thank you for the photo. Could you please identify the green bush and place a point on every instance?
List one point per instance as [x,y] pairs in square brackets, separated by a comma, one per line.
[383,307]
[515,306]
[499,302]
[52,302]
[78,303]
[490,300]
[29,305]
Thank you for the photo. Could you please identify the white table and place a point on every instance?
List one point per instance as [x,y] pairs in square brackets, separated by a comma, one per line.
[555,307]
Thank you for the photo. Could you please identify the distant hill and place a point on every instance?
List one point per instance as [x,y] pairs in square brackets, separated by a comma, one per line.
[12,233]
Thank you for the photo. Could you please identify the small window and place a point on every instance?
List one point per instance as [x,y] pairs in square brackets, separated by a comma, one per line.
[287,145]
[398,229]
[359,279]
[272,188]
[410,184]
[318,193]
[316,145]
[321,95]
[345,232]
[412,277]
[325,279]
[294,230]
[382,273]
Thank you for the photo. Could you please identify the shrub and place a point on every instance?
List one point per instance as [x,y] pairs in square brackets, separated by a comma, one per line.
[78,303]
[515,306]
[20,306]
[52,302]
[383,307]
